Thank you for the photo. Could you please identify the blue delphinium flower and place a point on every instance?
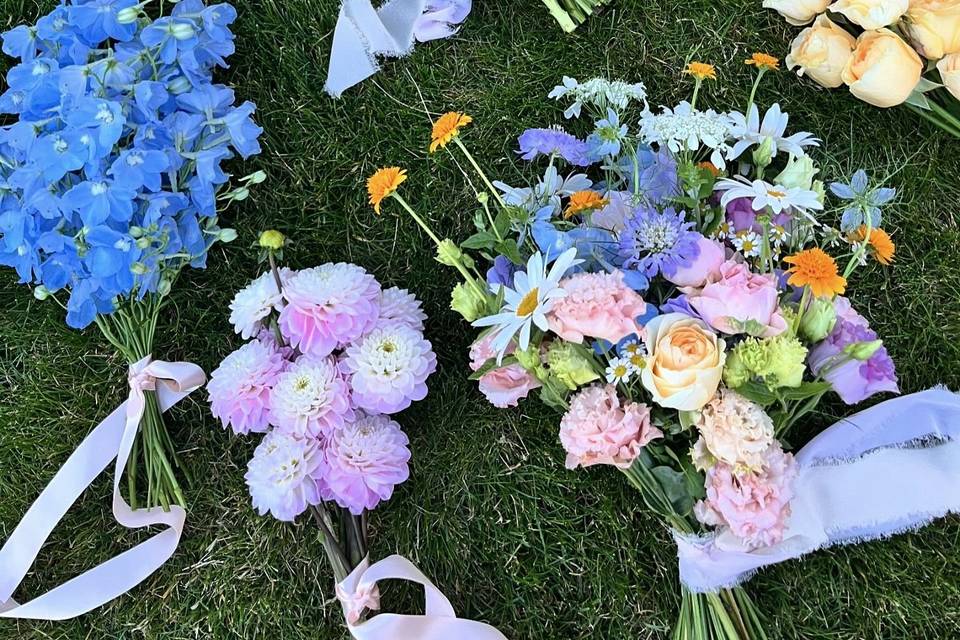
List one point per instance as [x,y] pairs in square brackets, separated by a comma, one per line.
[658,241]
[553,142]
[111,174]
[607,139]
[863,200]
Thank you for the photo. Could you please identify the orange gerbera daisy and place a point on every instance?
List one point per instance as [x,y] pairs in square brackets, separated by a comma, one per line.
[701,70]
[583,201]
[764,61]
[383,183]
[446,128]
[815,269]
[880,242]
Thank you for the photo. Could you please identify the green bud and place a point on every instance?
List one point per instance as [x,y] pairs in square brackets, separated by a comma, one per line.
[179,85]
[820,190]
[164,287]
[143,242]
[763,154]
[735,372]
[449,253]
[862,351]
[483,197]
[238,194]
[798,173]
[255,178]
[182,31]
[466,301]
[128,15]
[272,239]
[136,232]
[569,366]
[529,358]
[227,235]
[140,269]
[41,293]
[818,320]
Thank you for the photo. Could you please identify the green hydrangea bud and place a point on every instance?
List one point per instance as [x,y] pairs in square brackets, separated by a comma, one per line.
[798,173]
[763,154]
[787,361]
[272,239]
[818,320]
[862,350]
[466,301]
[569,365]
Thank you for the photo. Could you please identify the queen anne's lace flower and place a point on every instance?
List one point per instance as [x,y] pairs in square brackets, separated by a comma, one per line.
[255,302]
[311,398]
[328,307]
[389,368]
[600,93]
[241,387]
[599,429]
[283,475]
[366,459]
[685,128]
[399,305]
[735,430]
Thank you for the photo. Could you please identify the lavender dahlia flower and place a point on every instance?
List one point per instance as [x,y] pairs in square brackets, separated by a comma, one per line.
[255,302]
[328,307]
[399,305]
[365,460]
[658,241]
[553,142]
[389,368]
[311,399]
[283,475]
[240,389]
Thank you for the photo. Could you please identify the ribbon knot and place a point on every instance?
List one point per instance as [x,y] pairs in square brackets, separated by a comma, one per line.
[140,378]
[364,596]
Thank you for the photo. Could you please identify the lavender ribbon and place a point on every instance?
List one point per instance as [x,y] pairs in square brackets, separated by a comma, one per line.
[893,467]
[363,33]
[358,591]
[112,438]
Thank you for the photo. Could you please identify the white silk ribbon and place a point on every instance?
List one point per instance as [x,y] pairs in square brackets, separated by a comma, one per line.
[112,438]
[891,468]
[439,622]
[363,33]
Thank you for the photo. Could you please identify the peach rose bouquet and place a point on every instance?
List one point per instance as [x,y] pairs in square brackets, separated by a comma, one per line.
[886,52]
[664,285]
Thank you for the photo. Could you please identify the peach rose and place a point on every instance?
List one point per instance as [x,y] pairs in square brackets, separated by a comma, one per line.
[685,362]
[949,68]
[797,12]
[883,69]
[933,26]
[871,14]
[821,51]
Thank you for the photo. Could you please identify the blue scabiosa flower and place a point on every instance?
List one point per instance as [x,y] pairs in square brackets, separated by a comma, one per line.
[657,241]
[863,200]
[553,142]
[607,138]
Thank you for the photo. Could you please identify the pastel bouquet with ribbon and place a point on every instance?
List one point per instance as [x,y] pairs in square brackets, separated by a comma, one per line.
[886,52]
[331,356]
[671,284]
[111,178]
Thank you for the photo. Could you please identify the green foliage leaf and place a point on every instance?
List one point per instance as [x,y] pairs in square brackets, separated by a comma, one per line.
[676,487]
[481,240]
[804,391]
[757,392]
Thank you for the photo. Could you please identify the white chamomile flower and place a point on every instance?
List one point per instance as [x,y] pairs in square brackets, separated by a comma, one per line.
[747,243]
[255,302]
[778,234]
[763,195]
[619,370]
[533,294]
[749,130]
[724,230]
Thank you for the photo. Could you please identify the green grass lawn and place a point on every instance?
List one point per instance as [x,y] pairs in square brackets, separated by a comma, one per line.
[489,513]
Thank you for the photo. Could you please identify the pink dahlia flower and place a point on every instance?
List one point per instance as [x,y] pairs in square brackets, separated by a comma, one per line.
[282,475]
[366,459]
[388,368]
[241,386]
[735,300]
[329,307]
[753,505]
[597,305]
[311,398]
[252,304]
[599,429]
[399,305]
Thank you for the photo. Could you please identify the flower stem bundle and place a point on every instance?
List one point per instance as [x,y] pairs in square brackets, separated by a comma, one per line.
[570,14]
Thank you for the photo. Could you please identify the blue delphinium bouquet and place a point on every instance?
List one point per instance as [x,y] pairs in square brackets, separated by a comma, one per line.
[110,176]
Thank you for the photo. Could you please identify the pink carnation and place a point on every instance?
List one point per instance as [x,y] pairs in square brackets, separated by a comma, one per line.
[597,429]
[328,307]
[597,305]
[366,459]
[735,300]
[753,505]
[241,387]
[705,266]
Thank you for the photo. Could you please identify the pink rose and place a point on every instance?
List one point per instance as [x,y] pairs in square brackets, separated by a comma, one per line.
[596,305]
[506,386]
[738,301]
[705,266]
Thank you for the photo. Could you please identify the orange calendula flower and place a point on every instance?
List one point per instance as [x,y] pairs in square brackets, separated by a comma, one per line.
[880,243]
[446,128]
[815,269]
[701,70]
[709,166]
[383,183]
[764,61]
[583,201]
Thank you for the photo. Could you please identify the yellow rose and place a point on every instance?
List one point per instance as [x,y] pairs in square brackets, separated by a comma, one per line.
[949,68]
[797,12]
[685,362]
[933,26]
[821,51]
[871,14]
[883,69]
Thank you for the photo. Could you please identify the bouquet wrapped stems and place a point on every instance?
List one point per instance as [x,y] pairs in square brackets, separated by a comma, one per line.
[131,329]
[570,14]
[726,615]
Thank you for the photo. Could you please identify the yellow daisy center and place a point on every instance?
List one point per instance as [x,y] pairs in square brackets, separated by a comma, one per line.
[529,303]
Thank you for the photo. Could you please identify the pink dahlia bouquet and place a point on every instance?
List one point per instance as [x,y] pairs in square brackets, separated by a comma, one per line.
[670,283]
[330,357]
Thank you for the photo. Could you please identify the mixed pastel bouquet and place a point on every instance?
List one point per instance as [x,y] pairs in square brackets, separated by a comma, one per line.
[331,355]
[670,288]
[887,52]
[110,177]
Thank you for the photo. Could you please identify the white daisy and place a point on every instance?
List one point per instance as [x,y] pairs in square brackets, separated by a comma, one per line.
[255,302]
[619,370]
[636,354]
[749,130]
[778,234]
[685,128]
[775,196]
[528,302]
[747,243]
[724,230]
[548,191]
